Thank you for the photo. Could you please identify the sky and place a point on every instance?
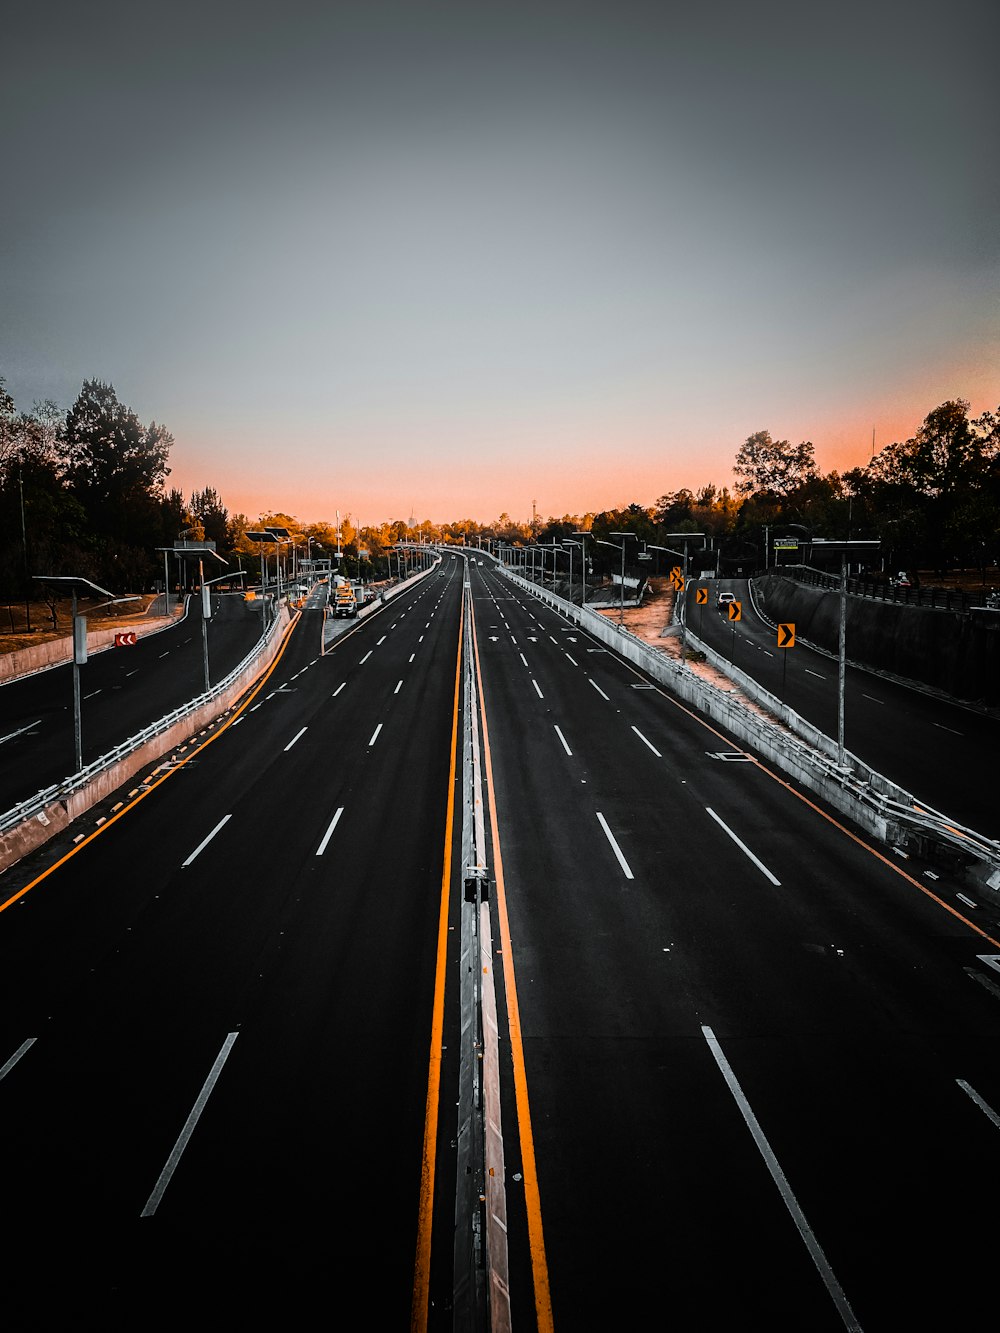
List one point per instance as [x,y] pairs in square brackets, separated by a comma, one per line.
[453,260]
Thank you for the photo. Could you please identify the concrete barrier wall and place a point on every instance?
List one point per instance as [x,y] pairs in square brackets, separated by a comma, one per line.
[56,652]
[33,832]
[952,651]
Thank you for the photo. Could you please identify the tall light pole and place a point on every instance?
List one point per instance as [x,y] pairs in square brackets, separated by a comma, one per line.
[844,549]
[583,564]
[616,546]
[73,584]
[623,535]
[569,543]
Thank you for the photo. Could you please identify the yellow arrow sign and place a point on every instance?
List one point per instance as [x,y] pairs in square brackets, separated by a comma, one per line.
[735,610]
[786,636]
[701,596]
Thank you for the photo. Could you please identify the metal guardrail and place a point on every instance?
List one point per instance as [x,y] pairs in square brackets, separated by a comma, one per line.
[940,599]
[35,805]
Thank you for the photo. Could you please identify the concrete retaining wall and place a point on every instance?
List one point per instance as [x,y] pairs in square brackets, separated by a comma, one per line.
[952,651]
[55,652]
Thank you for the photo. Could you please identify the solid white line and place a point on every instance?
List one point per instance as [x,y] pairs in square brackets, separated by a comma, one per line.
[564,745]
[983,1106]
[23,1049]
[375,734]
[649,743]
[614,846]
[598,689]
[338,689]
[294,739]
[743,847]
[326,836]
[814,673]
[537,690]
[523,658]
[202,845]
[784,1189]
[399,686]
[366,657]
[152,1203]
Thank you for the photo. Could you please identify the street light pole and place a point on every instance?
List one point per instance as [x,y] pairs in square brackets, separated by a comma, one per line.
[621,607]
[583,565]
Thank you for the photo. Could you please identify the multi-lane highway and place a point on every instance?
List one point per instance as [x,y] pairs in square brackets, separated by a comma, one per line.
[747,1061]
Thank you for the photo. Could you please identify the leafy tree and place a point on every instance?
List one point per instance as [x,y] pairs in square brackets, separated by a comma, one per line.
[936,495]
[213,515]
[774,468]
[114,465]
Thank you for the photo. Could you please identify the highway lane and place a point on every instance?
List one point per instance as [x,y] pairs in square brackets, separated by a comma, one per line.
[753,1048]
[941,751]
[122,690]
[230,991]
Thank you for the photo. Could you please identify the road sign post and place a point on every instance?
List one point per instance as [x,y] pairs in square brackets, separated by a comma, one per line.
[786,639]
[735,612]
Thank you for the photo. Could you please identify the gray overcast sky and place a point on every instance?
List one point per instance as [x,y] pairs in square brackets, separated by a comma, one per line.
[454,258]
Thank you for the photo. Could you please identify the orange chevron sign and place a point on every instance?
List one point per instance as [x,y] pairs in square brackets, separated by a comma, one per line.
[735,610]
[786,636]
[701,596]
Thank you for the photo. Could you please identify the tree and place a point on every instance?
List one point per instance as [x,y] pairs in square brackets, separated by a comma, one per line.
[213,515]
[114,465]
[936,493]
[773,468]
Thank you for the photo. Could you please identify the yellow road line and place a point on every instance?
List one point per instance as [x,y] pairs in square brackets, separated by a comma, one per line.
[532,1197]
[103,828]
[425,1213]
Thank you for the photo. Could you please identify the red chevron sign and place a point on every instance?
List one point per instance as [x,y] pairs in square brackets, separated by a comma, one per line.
[127,640]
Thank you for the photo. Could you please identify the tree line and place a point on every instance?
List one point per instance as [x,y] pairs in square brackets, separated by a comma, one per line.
[85,492]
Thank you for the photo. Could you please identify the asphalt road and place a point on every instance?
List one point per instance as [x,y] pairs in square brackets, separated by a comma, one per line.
[751,1043]
[943,752]
[259,930]
[747,1062]
[123,690]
